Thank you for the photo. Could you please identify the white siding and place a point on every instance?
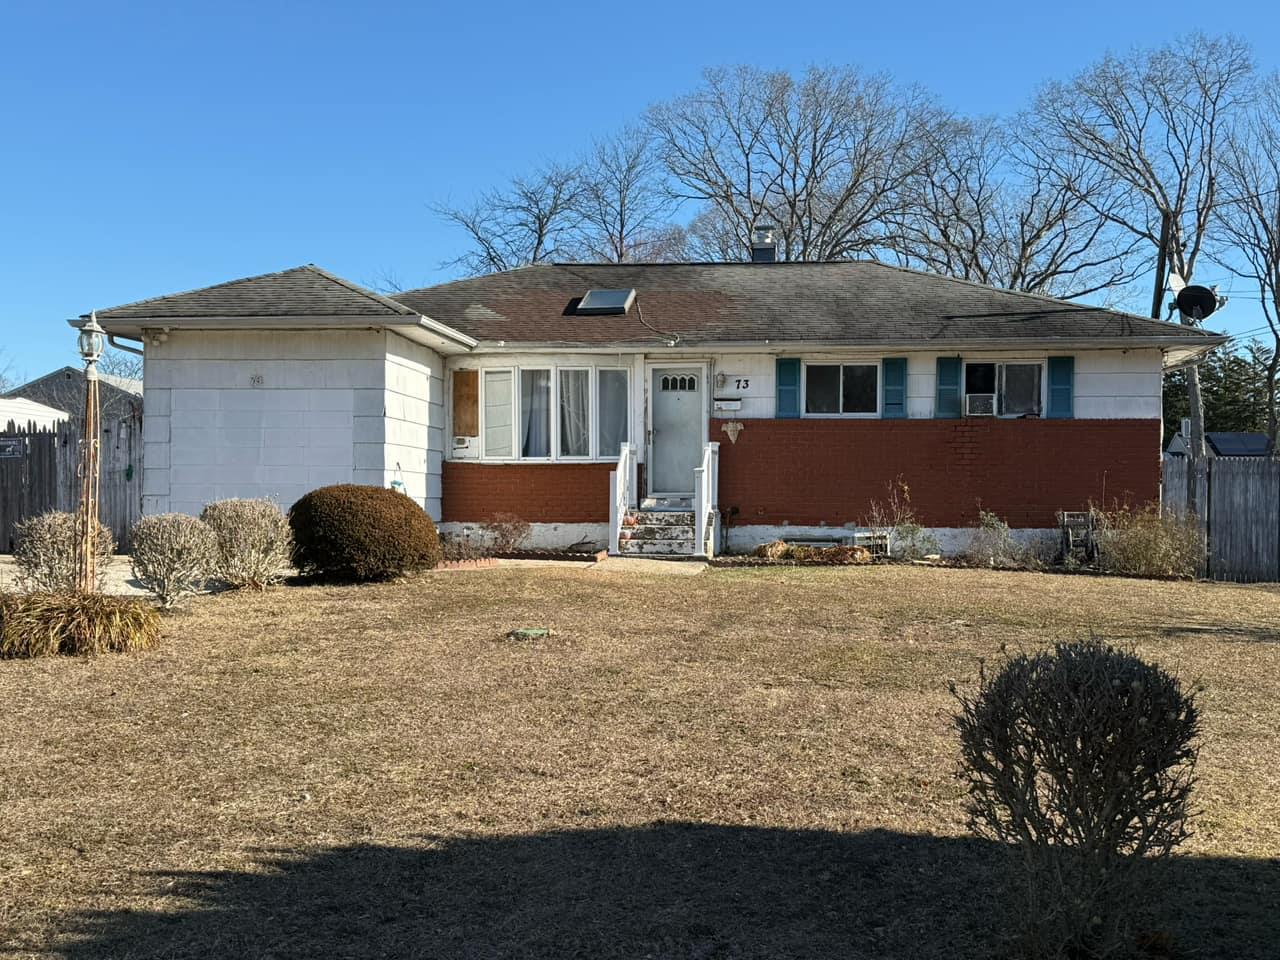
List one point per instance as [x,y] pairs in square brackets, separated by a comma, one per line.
[275,414]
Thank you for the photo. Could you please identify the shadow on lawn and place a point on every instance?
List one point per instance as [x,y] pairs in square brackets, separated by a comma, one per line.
[673,890]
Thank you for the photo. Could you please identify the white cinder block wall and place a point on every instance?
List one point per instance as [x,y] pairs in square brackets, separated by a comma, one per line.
[275,414]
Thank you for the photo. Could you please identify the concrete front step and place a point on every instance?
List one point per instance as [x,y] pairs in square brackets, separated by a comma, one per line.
[662,518]
[656,548]
[658,531]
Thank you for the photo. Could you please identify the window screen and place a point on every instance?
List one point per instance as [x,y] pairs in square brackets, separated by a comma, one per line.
[497,413]
[611,411]
[860,389]
[1020,391]
[821,389]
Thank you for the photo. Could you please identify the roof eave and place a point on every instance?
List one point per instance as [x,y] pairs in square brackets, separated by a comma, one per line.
[416,327]
[1179,345]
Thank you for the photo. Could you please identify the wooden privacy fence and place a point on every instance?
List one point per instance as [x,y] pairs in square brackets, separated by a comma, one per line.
[1238,501]
[38,473]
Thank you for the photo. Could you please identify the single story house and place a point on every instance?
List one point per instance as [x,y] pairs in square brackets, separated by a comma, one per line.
[1223,443]
[119,398]
[652,407]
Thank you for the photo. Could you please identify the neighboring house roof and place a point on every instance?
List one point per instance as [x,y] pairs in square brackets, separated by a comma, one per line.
[305,291]
[847,302]
[21,412]
[63,389]
[1224,444]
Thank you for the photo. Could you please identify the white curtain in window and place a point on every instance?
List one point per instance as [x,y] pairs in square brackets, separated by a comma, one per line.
[497,413]
[611,411]
[535,413]
[575,414]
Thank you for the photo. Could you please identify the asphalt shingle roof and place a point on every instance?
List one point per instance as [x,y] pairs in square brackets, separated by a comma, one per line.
[304,291]
[841,302]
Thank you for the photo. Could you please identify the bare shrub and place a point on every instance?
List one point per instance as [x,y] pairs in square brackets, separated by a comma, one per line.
[254,542]
[506,533]
[48,624]
[781,550]
[993,545]
[461,546]
[173,555]
[45,553]
[893,520]
[1144,543]
[1082,758]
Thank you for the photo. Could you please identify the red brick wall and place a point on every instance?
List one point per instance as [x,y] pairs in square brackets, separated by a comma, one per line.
[827,471]
[536,492]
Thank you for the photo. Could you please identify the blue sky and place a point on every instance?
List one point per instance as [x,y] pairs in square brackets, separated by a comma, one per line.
[154,147]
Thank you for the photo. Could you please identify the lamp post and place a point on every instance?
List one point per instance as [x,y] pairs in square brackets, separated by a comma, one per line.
[90,343]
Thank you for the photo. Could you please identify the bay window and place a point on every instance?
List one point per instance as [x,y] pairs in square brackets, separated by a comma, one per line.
[546,413]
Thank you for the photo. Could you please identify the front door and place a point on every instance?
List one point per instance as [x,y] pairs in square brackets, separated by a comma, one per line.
[675,443]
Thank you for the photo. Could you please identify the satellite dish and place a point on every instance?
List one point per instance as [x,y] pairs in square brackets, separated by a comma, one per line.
[1197,302]
[1176,283]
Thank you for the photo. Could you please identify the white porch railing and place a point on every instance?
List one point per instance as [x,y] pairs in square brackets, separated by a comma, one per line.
[706,501]
[622,494]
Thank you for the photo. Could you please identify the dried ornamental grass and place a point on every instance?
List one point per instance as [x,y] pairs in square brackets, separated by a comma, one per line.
[1145,543]
[253,541]
[50,624]
[45,553]
[173,554]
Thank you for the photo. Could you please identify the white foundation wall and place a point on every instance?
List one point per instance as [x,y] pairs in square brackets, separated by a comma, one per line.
[951,541]
[542,536]
[278,413]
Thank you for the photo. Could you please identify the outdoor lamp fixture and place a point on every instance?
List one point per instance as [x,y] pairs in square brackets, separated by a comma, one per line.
[91,342]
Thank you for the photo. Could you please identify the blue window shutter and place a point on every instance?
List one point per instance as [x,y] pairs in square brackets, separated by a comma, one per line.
[1061,381]
[894,387]
[788,388]
[947,405]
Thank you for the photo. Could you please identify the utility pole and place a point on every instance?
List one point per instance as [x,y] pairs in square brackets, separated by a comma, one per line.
[1162,258]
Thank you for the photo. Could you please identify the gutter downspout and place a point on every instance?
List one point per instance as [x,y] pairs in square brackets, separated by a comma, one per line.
[111,339]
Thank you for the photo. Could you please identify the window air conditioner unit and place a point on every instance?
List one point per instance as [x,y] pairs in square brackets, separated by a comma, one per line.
[980,404]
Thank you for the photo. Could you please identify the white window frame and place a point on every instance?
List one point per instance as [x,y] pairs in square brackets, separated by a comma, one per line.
[1042,363]
[591,413]
[483,418]
[595,410]
[553,414]
[517,412]
[804,389]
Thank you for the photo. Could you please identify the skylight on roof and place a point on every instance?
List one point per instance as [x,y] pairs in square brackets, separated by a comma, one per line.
[600,302]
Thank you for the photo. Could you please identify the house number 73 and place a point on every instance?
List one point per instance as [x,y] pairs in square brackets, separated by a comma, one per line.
[742,383]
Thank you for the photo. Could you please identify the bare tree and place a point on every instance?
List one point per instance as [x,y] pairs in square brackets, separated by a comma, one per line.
[984,209]
[1249,221]
[1155,122]
[120,363]
[535,219]
[824,158]
[623,203]
[8,380]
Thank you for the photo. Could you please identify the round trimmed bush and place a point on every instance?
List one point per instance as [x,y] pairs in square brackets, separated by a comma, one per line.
[356,532]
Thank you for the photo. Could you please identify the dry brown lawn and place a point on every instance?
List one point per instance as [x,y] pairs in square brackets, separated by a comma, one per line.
[743,763]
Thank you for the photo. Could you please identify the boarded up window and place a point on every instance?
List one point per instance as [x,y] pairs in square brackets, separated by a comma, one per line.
[466,403]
